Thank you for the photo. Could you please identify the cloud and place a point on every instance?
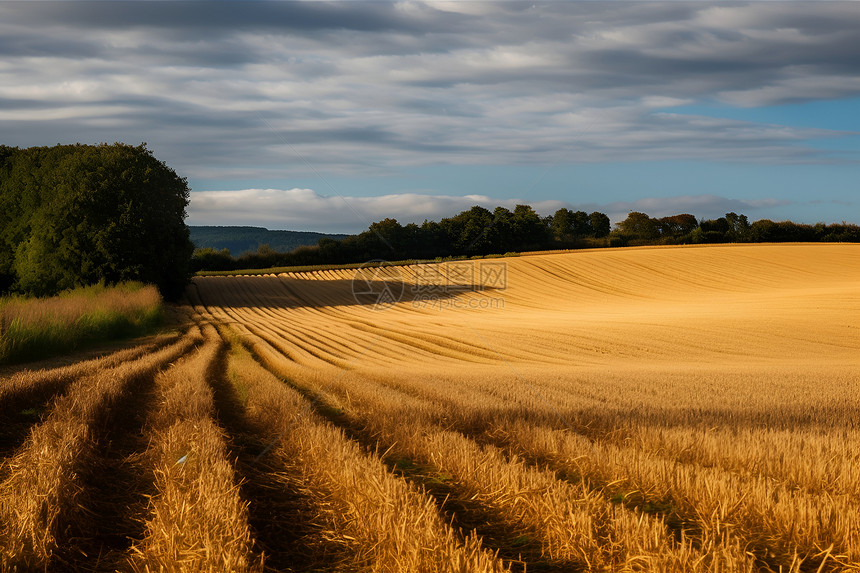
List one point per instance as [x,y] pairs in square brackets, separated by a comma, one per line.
[357,86]
[304,209]
[703,206]
[300,209]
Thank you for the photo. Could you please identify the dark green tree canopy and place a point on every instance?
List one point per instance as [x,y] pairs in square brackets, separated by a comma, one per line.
[75,215]
[640,226]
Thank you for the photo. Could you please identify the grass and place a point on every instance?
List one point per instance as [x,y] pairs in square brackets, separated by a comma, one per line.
[31,329]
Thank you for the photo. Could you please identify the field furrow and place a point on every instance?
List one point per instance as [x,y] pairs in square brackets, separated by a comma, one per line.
[25,395]
[574,526]
[657,409]
[379,521]
[196,515]
[775,518]
[44,503]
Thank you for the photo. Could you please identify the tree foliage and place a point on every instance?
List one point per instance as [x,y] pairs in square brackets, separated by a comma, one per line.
[76,215]
[480,232]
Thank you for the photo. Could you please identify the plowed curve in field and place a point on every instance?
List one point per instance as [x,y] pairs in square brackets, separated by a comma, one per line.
[742,302]
[713,388]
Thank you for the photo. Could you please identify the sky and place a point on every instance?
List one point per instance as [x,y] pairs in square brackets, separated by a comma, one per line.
[327,116]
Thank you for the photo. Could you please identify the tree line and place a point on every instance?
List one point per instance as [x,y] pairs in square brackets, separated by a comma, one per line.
[78,215]
[480,232]
[640,229]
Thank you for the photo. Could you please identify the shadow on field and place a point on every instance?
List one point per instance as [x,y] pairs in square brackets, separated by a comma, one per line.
[270,291]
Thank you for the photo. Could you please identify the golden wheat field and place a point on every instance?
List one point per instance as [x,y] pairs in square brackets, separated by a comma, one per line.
[647,409]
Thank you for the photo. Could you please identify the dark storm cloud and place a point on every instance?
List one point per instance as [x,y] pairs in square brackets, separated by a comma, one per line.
[239,86]
[201,19]
[28,45]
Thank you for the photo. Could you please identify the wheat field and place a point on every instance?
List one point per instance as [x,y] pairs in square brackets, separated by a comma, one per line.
[646,409]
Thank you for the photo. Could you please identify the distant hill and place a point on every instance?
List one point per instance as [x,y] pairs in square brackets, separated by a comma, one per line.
[244,239]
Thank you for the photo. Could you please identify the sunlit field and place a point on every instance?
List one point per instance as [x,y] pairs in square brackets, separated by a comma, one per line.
[647,409]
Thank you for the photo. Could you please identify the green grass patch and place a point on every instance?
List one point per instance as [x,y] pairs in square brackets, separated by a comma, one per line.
[32,329]
[521,541]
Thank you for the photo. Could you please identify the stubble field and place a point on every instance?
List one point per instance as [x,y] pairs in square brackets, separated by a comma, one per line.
[654,409]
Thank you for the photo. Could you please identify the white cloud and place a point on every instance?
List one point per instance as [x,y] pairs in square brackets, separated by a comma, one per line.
[304,209]
[703,206]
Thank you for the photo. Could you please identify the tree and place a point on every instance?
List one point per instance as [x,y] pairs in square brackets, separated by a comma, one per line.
[677,226]
[763,231]
[209,259]
[562,225]
[714,230]
[89,214]
[600,224]
[582,225]
[530,229]
[568,225]
[469,231]
[739,227]
[639,226]
[502,235]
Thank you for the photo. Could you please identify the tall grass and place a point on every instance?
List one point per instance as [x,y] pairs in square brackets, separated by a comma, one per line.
[31,329]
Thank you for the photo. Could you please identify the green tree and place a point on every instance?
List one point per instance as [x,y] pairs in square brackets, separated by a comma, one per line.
[530,229]
[600,224]
[677,226]
[639,226]
[469,231]
[562,225]
[502,235]
[568,225]
[715,230]
[739,227]
[89,214]
[210,259]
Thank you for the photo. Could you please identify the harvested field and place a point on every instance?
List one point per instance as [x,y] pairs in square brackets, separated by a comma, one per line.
[652,409]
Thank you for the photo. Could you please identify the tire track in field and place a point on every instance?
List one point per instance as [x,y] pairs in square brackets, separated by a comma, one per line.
[369,428]
[281,518]
[117,485]
[46,485]
[513,545]
[497,426]
[26,396]
[195,519]
[682,515]
[381,521]
[119,482]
